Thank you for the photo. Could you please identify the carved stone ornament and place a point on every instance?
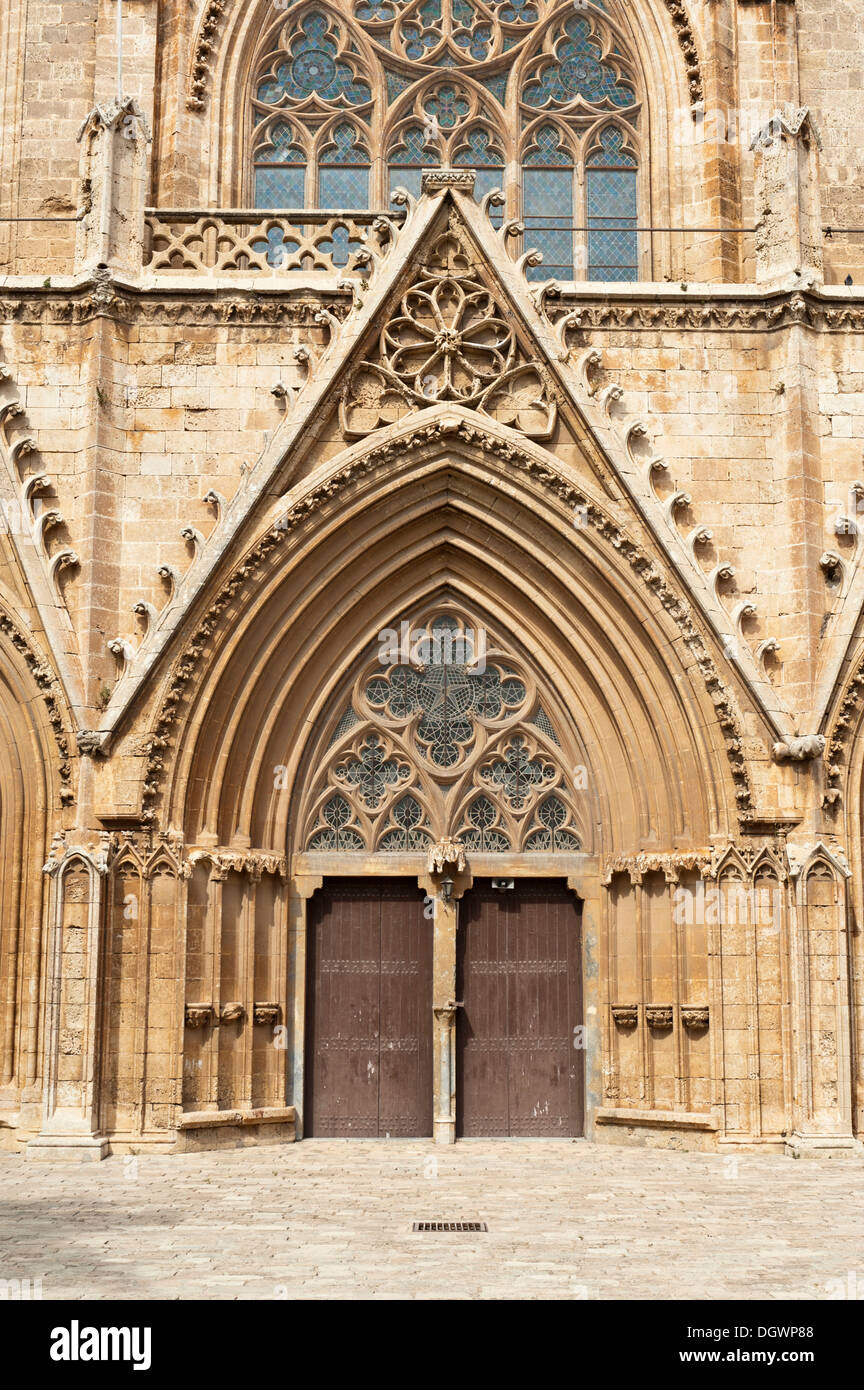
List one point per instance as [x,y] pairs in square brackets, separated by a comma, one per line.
[233,1013]
[695,1018]
[447,853]
[267,1013]
[625,1015]
[435,180]
[92,741]
[799,750]
[449,340]
[670,865]
[658,1015]
[199,1015]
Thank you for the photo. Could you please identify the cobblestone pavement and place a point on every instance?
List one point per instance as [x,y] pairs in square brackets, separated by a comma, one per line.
[332,1219]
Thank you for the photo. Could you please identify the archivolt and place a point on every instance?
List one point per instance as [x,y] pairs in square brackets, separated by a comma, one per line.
[449,509]
[29,788]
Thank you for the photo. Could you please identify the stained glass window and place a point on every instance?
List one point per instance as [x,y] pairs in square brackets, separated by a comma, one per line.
[415,150]
[547,194]
[548,83]
[610,183]
[480,153]
[280,168]
[343,171]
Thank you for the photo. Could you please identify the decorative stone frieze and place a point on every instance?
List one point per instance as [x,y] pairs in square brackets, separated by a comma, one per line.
[672,865]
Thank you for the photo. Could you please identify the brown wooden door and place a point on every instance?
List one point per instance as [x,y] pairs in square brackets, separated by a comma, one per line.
[369,1011]
[519,972]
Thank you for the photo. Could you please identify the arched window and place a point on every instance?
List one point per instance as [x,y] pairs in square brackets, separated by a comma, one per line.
[343,170]
[280,166]
[610,203]
[539,97]
[547,200]
[480,153]
[580,209]
[308,73]
[411,153]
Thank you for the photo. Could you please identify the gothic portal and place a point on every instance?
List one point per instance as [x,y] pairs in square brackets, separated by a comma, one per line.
[431,643]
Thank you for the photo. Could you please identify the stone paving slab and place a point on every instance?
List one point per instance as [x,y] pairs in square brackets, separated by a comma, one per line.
[330,1219]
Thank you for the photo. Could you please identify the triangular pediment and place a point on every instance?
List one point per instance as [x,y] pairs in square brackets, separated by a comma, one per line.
[449,320]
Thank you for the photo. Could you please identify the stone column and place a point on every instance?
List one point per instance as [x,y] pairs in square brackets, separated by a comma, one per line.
[449,866]
[300,890]
[70,1111]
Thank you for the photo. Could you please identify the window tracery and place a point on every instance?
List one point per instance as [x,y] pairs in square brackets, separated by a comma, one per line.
[347,106]
[439,746]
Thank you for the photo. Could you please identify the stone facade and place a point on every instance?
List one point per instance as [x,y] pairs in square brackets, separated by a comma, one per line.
[220,483]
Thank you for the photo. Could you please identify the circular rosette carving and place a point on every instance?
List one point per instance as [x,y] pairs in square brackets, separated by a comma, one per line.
[450,343]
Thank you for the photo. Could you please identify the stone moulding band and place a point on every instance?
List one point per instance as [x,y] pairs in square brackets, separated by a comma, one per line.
[213,1119]
[657,1119]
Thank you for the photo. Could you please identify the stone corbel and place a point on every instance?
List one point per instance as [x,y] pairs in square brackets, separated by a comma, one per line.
[92,742]
[199,1015]
[799,750]
[695,1017]
[625,1015]
[266,1013]
[658,1015]
[233,1013]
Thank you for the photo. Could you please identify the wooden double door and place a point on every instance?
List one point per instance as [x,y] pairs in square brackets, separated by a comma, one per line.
[369,1024]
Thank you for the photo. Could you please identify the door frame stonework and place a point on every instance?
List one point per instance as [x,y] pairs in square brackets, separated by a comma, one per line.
[581,872]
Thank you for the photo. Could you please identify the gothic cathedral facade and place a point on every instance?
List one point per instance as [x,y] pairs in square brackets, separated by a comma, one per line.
[431,584]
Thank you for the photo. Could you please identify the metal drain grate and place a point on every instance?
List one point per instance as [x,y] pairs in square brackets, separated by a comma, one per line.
[459,1227]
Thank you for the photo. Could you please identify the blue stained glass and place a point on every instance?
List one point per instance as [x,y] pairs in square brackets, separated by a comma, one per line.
[577,70]
[343,188]
[478,150]
[497,86]
[612,238]
[611,150]
[479,154]
[517,12]
[548,148]
[280,186]
[414,149]
[277,248]
[281,149]
[396,84]
[547,196]
[611,197]
[375,11]
[448,105]
[313,67]
[411,179]
[344,147]
[476,41]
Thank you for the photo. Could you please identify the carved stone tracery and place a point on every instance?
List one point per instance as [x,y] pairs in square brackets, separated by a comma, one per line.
[443,745]
[449,341]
